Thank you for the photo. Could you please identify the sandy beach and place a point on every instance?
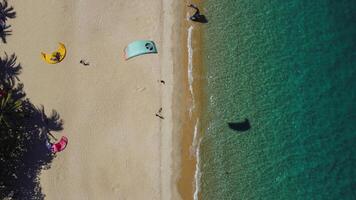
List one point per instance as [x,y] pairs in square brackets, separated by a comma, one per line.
[118,148]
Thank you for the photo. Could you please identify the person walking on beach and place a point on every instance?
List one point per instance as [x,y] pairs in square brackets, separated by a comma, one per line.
[158,114]
[197,17]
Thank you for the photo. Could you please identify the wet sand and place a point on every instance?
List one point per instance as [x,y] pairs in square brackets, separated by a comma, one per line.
[188,144]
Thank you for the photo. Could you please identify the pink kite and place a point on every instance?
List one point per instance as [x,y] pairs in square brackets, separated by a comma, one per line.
[60,146]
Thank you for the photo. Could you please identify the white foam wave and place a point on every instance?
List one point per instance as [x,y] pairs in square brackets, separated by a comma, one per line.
[195,137]
[197,174]
[196,146]
[190,68]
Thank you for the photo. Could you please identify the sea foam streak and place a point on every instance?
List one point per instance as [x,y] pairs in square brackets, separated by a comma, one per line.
[196,146]
[190,68]
[196,141]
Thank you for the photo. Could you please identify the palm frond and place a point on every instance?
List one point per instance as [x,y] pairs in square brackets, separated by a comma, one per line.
[10,110]
[47,123]
[9,70]
[6,11]
[18,92]
[55,123]
[4,31]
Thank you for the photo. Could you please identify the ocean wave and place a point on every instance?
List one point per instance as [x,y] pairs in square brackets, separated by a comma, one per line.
[196,147]
[190,68]
[197,175]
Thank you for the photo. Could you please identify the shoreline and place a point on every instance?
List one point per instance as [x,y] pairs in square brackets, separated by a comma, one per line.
[169,144]
[190,128]
[117,147]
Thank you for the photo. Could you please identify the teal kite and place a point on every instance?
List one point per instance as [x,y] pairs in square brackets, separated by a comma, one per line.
[139,47]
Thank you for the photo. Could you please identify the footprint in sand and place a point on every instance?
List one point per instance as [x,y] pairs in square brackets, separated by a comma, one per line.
[115,188]
[140,89]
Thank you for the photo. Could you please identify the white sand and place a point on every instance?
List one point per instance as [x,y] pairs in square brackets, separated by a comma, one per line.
[117,148]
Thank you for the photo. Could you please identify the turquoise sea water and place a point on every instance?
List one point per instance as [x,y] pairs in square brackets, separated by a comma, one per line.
[289,66]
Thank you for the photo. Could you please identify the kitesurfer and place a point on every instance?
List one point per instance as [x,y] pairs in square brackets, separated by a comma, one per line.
[197,17]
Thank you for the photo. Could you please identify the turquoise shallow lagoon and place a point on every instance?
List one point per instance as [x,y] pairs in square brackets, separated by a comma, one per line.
[289,66]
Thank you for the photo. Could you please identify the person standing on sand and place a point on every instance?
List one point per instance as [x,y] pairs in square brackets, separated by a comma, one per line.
[197,17]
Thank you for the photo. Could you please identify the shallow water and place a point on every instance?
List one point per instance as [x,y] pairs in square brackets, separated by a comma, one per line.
[289,66]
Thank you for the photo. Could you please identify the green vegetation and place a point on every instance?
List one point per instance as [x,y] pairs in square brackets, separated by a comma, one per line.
[6,13]
[24,129]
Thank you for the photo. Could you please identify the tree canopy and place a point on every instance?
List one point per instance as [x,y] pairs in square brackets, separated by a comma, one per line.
[6,12]
[24,128]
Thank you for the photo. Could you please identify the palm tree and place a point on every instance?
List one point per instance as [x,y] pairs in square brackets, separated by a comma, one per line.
[9,71]
[4,31]
[6,11]
[10,111]
[17,91]
[47,123]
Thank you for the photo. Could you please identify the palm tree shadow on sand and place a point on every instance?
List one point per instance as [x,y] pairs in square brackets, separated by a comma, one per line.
[21,172]
[6,12]
[24,130]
